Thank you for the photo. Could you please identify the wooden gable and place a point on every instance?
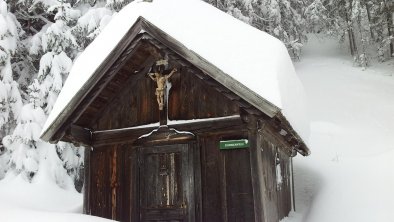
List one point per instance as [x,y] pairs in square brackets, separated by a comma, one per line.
[128,99]
[189,98]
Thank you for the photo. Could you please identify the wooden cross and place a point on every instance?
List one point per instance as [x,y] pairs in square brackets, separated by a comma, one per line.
[161,92]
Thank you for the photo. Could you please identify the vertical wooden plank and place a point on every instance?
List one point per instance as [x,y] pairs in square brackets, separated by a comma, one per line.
[284,188]
[184,99]
[270,197]
[255,168]
[123,209]
[174,96]
[87,182]
[197,179]
[210,181]
[189,148]
[114,182]
[100,183]
[194,95]
[134,176]
[239,191]
[223,186]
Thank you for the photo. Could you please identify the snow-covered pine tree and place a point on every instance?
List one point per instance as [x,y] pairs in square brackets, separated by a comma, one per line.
[316,16]
[388,9]
[90,24]
[22,143]
[10,98]
[55,32]
[365,24]
[382,27]
[117,5]
[58,44]
[29,155]
[50,45]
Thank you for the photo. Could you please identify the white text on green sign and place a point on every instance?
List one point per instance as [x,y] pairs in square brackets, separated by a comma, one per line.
[233,144]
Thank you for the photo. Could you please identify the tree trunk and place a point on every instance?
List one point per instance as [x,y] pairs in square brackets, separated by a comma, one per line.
[389,26]
[352,42]
[369,21]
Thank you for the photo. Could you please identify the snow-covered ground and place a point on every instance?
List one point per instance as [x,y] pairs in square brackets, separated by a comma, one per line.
[40,201]
[349,176]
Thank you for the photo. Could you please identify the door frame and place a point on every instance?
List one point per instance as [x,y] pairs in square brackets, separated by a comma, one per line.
[193,167]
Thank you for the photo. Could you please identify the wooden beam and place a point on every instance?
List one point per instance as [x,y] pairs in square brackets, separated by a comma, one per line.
[79,135]
[106,137]
[255,168]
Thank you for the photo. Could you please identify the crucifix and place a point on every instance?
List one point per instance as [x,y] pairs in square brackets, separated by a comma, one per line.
[160,80]
[161,90]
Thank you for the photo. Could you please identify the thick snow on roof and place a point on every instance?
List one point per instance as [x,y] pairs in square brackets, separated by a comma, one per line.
[255,59]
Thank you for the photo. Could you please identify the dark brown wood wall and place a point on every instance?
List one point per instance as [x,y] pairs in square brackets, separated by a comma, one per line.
[226,183]
[135,105]
[190,98]
[276,195]
[99,187]
[109,189]
[227,193]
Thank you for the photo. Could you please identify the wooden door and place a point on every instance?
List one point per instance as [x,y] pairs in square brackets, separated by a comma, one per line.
[166,183]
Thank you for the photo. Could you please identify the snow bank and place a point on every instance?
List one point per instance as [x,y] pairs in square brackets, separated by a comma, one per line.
[254,58]
[20,215]
[350,175]
[44,192]
[42,200]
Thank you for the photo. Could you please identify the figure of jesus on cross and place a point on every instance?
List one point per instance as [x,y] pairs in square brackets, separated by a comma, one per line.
[160,80]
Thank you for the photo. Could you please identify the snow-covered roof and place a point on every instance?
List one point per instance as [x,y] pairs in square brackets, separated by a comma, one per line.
[257,61]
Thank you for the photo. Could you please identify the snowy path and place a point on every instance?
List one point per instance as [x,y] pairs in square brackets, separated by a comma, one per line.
[350,174]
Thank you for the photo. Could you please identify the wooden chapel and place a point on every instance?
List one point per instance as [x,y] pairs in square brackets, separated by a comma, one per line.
[170,137]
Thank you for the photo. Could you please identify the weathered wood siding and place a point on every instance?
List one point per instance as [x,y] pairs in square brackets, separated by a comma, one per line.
[109,182]
[135,105]
[227,193]
[190,98]
[276,194]
[100,187]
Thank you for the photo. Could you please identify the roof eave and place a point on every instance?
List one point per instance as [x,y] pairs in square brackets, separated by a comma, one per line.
[299,146]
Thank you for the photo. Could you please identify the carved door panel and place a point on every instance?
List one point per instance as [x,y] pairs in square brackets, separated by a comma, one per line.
[165,187]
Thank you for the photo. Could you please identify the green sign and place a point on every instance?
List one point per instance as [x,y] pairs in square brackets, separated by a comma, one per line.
[234,144]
